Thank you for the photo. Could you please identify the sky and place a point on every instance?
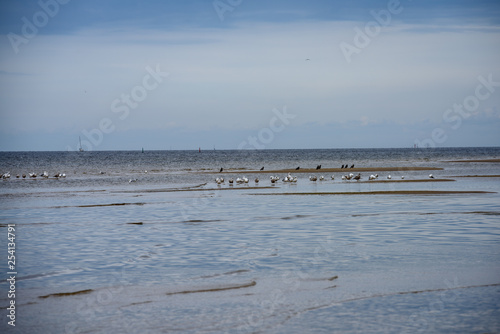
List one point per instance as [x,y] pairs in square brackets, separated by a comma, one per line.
[240,74]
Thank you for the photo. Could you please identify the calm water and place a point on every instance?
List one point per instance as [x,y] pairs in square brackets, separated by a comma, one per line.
[172,251]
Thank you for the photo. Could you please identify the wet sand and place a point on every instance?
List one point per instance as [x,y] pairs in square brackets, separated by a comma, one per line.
[215,288]
[476,176]
[404,181]
[480,160]
[64,294]
[391,192]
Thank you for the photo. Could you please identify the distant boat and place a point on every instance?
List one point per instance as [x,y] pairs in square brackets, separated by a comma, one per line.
[81,148]
[143,150]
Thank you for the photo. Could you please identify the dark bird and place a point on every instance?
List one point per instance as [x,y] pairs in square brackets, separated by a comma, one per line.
[357,177]
[352,166]
[221,169]
[342,167]
[262,168]
[318,167]
[297,168]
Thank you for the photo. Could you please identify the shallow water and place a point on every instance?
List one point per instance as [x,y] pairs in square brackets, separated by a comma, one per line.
[173,251]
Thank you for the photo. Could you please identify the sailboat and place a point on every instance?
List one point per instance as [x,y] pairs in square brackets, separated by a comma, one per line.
[81,148]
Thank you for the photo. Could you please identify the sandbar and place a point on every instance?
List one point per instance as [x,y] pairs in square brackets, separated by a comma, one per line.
[476,176]
[330,170]
[390,192]
[477,160]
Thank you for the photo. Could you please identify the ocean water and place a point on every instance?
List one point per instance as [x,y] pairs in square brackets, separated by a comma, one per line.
[132,242]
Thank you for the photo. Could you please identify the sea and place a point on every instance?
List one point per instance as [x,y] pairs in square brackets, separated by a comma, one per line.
[149,242]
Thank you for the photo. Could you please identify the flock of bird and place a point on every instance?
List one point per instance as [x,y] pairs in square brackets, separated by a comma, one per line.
[298,168]
[33,175]
[243,180]
[293,179]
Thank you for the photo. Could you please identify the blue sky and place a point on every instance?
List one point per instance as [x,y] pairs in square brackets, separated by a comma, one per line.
[248,74]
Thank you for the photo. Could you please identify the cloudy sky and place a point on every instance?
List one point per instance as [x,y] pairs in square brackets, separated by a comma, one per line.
[248,74]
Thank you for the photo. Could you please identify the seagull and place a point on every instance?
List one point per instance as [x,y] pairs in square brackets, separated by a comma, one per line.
[372,177]
[358,177]
[333,177]
[431,176]
[45,174]
[24,176]
[402,177]
[321,178]
[256,180]
[231,182]
[313,178]
[389,177]
[288,178]
[132,180]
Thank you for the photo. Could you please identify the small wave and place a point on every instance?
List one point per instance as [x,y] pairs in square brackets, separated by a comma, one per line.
[234,272]
[486,213]
[197,221]
[295,217]
[49,274]
[215,288]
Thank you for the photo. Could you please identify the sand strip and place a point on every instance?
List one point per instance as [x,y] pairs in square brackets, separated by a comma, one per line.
[476,176]
[216,288]
[330,170]
[63,294]
[404,181]
[391,192]
[238,187]
[479,160]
